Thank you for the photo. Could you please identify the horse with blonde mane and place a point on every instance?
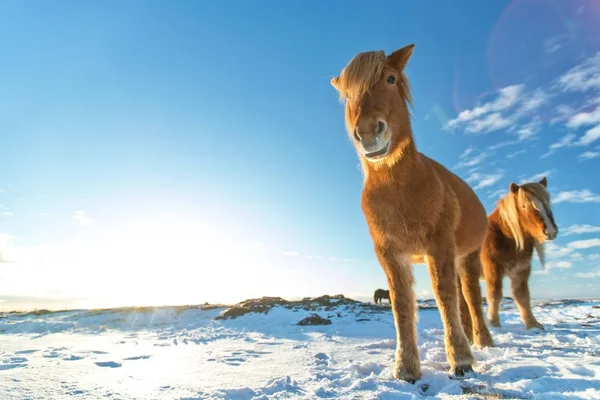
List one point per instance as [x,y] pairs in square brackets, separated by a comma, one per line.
[520,224]
[415,209]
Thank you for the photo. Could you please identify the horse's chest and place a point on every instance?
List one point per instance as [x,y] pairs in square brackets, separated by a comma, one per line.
[391,217]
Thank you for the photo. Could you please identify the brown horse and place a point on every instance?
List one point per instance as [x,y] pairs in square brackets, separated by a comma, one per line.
[520,223]
[413,207]
[381,294]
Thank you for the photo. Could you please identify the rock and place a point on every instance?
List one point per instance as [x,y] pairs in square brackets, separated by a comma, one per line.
[314,319]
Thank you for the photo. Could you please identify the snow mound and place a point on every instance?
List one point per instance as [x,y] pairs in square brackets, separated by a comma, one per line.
[195,352]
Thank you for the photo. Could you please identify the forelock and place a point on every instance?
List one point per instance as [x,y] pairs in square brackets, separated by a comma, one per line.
[537,191]
[361,73]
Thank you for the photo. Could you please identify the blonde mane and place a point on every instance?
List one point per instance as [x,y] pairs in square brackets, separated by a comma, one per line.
[361,74]
[509,213]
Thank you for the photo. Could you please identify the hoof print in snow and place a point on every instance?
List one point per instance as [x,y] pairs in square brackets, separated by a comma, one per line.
[322,359]
[314,319]
[108,364]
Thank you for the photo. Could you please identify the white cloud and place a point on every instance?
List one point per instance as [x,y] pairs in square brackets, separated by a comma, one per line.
[537,99]
[592,274]
[536,177]
[498,194]
[290,253]
[468,162]
[553,251]
[577,196]
[588,155]
[584,118]
[555,43]
[487,117]
[554,265]
[584,244]
[82,219]
[580,229]
[582,77]
[565,141]
[484,180]
[559,264]
[594,257]
[564,112]
[516,153]
[576,256]
[467,151]
[503,144]
[590,136]
[490,123]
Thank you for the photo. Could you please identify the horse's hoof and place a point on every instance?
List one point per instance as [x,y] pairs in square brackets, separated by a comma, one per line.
[461,370]
[535,325]
[495,324]
[406,376]
[484,341]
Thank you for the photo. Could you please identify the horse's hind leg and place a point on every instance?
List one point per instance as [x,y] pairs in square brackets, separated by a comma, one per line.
[470,271]
[442,270]
[465,315]
[520,291]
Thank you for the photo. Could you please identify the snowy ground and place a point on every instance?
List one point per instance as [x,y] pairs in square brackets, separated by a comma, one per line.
[184,353]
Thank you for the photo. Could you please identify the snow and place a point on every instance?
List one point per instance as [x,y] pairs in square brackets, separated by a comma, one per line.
[185,353]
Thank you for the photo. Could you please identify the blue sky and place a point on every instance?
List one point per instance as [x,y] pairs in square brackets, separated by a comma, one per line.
[161,153]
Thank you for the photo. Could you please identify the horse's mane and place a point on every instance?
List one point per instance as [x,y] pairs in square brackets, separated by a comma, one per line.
[362,72]
[509,213]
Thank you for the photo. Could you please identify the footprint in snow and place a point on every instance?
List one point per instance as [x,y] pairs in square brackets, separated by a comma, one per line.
[322,359]
[108,364]
[235,361]
[25,351]
[73,357]
[13,362]
[136,358]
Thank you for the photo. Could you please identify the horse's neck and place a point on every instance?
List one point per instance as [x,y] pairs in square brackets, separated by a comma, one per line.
[404,165]
[503,227]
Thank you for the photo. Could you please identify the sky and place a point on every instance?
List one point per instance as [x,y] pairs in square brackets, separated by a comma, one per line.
[161,153]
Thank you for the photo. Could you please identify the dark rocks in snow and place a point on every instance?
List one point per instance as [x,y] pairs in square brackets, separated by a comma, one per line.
[314,319]
[265,304]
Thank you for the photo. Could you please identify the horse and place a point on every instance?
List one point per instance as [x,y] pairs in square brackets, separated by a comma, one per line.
[521,223]
[415,209]
[381,294]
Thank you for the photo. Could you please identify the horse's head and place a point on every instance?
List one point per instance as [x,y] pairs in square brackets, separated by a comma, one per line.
[532,202]
[377,95]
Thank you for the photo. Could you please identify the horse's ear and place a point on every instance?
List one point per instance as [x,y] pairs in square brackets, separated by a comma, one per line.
[399,58]
[335,82]
[544,181]
[514,188]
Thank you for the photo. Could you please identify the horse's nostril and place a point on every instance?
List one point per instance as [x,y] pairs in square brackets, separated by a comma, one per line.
[356,136]
[380,128]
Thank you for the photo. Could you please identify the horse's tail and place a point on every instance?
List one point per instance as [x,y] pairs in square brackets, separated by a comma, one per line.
[375,297]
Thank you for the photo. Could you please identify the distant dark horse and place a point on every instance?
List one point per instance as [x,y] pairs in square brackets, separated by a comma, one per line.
[381,294]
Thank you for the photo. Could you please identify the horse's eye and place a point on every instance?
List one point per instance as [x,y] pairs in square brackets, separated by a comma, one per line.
[391,79]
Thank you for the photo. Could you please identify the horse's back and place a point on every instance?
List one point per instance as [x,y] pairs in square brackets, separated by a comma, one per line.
[472,226]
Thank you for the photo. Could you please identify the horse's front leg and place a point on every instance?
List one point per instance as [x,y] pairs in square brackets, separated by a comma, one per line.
[442,270]
[399,274]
